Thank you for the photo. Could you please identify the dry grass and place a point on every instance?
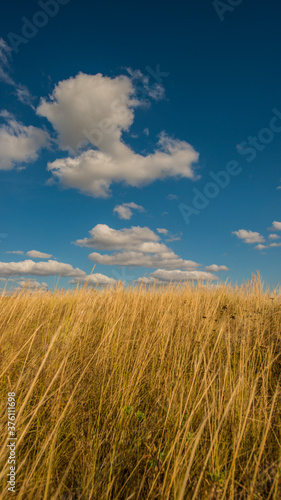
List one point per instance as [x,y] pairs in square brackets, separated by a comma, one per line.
[143,394]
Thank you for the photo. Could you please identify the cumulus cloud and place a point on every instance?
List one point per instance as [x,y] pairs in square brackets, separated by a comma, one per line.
[95,110]
[124,211]
[49,268]
[103,237]
[215,268]
[93,171]
[90,105]
[275,245]
[35,254]
[19,144]
[163,276]
[162,231]
[276,226]
[138,247]
[94,279]
[249,236]
[167,259]
[260,246]
[274,236]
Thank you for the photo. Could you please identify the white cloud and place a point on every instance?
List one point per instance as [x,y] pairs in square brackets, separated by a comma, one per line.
[273,237]
[19,143]
[139,247]
[275,245]
[163,276]
[260,247]
[35,254]
[48,268]
[93,171]
[103,237]
[215,268]
[162,231]
[124,211]
[276,226]
[168,259]
[96,104]
[249,236]
[94,279]
[96,110]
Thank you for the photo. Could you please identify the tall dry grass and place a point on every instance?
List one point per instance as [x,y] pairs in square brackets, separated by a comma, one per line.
[143,394]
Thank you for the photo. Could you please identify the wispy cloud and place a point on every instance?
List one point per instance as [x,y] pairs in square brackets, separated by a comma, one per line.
[21,91]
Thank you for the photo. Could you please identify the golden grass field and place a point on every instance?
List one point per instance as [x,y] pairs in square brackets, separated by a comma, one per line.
[134,393]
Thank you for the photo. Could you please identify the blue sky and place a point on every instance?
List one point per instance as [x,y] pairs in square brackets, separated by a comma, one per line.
[142,139]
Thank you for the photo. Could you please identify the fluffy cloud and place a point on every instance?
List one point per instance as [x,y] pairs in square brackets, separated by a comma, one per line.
[249,236]
[19,144]
[273,236]
[96,110]
[162,231]
[167,259]
[215,268]
[260,246]
[138,247]
[276,226]
[93,171]
[35,254]
[94,279]
[90,105]
[275,245]
[103,237]
[124,211]
[29,267]
[163,276]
